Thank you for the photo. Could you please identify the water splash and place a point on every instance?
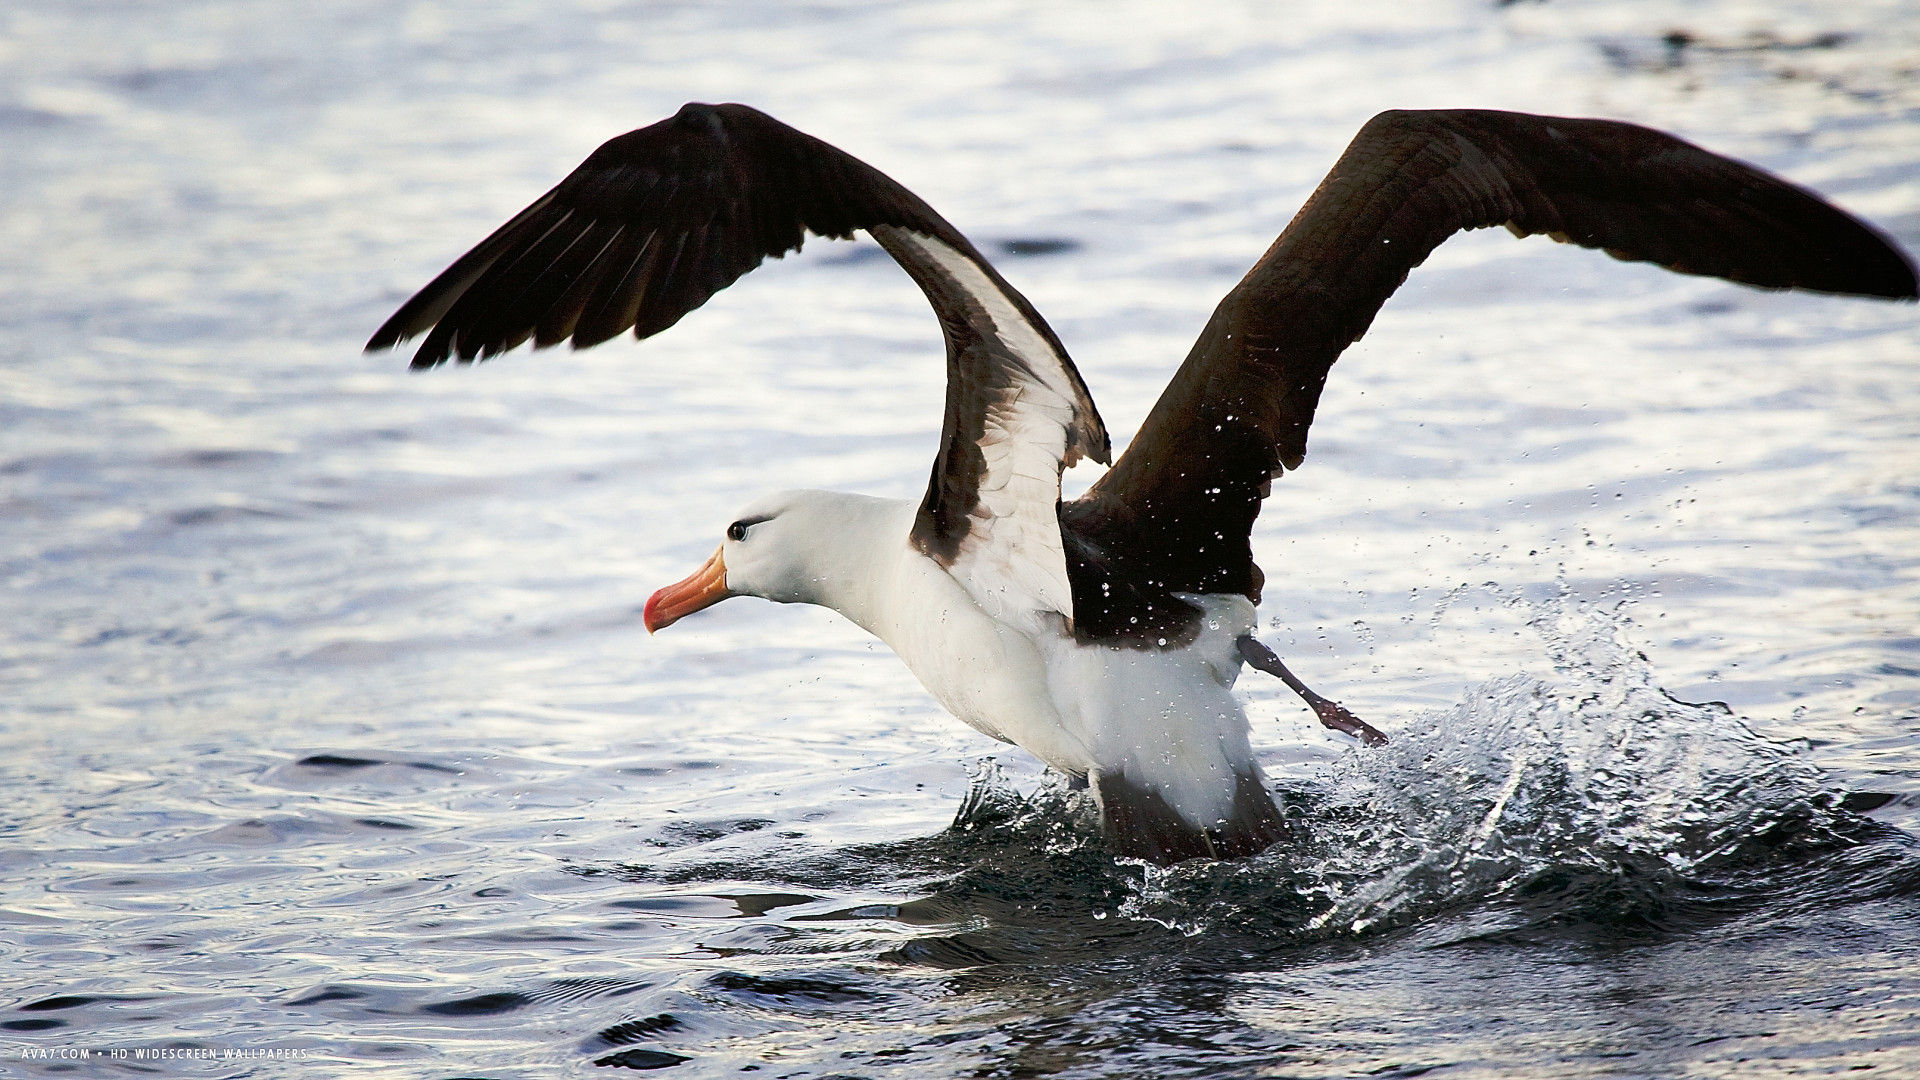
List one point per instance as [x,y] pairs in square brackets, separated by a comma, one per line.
[1590,795]
[1582,797]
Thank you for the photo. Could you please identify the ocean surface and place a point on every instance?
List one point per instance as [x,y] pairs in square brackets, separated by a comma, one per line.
[333,744]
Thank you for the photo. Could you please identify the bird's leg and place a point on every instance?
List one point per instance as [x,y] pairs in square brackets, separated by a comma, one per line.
[1329,712]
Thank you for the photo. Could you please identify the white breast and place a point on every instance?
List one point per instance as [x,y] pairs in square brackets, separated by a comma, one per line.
[1165,719]
[991,674]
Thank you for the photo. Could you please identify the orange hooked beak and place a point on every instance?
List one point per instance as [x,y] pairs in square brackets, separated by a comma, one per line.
[706,587]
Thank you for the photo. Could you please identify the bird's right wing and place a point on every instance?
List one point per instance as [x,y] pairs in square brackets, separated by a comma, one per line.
[1183,496]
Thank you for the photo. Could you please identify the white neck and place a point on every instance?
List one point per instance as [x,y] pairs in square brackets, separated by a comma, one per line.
[854,568]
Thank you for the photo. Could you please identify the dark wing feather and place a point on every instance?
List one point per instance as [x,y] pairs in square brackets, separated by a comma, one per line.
[1176,509]
[655,222]
[724,169]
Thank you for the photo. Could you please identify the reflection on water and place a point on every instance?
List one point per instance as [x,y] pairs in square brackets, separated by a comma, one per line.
[331,728]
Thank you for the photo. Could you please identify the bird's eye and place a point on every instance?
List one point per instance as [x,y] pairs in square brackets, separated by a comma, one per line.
[737,531]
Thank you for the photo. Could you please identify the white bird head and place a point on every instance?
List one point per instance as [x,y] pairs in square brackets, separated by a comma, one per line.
[794,547]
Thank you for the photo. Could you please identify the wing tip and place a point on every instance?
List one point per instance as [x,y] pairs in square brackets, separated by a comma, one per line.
[426,359]
[1906,282]
[1886,275]
[1878,265]
[389,335]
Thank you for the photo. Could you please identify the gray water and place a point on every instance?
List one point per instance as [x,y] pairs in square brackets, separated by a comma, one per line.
[333,742]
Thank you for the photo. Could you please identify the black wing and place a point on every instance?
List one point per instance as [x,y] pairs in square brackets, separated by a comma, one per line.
[1176,509]
[658,220]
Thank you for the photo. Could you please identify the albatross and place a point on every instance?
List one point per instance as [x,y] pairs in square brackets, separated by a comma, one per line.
[1103,634]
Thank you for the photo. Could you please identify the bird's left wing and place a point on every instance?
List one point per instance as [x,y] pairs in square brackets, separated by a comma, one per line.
[1179,504]
[658,220]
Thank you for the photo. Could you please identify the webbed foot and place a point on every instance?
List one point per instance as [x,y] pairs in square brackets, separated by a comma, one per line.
[1335,716]
[1331,713]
